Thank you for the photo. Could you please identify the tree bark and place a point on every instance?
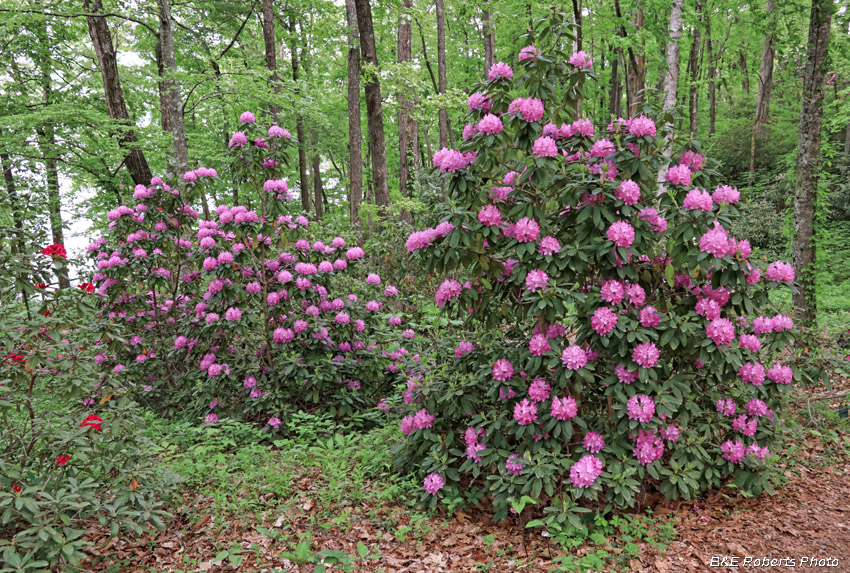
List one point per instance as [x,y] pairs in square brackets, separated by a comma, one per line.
[712,73]
[164,115]
[271,54]
[577,14]
[671,79]
[172,88]
[116,107]
[374,111]
[693,65]
[615,88]
[441,73]
[808,148]
[318,191]
[635,68]
[489,37]
[303,181]
[765,79]
[406,124]
[11,190]
[355,137]
[745,74]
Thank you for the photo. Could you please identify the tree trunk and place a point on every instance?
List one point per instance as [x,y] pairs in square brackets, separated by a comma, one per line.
[303,181]
[317,182]
[355,138]
[374,112]
[693,65]
[11,190]
[113,94]
[615,88]
[712,72]
[164,115]
[441,72]
[172,87]
[635,67]
[765,79]
[811,120]
[577,13]
[489,38]
[406,124]
[271,54]
[671,79]
[745,74]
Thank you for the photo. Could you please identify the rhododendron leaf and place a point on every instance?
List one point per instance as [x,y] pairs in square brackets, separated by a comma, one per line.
[105,399]
[670,274]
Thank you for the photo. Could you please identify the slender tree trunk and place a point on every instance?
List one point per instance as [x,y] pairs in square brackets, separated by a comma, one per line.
[406,124]
[745,74]
[113,94]
[489,37]
[671,78]
[765,79]
[11,190]
[172,88]
[162,87]
[271,54]
[355,137]
[693,65]
[811,120]
[303,181]
[374,111]
[712,73]
[441,73]
[318,191]
[615,88]
[635,67]
[577,14]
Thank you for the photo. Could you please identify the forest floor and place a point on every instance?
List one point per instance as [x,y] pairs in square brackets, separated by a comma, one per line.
[265,510]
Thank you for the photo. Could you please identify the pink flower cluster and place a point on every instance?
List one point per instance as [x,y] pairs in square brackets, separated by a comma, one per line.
[451,160]
[586,471]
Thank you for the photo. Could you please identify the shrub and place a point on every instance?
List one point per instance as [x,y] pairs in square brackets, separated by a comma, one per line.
[632,345]
[73,448]
[247,313]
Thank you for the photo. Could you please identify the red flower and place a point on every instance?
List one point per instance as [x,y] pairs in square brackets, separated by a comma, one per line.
[14,358]
[17,488]
[87,287]
[40,285]
[62,459]
[46,313]
[54,250]
[93,421]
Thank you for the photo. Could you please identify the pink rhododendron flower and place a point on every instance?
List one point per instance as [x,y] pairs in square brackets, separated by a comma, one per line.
[548,246]
[464,347]
[603,321]
[525,412]
[670,433]
[733,450]
[641,125]
[490,215]
[779,271]
[752,373]
[721,331]
[528,53]
[726,407]
[649,317]
[602,148]
[536,280]
[478,101]
[648,447]
[490,124]
[581,61]
[757,408]
[679,175]
[628,192]
[612,292]
[622,234]
[726,194]
[698,200]
[625,375]
[513,466]
[780,374]
[641,408]
[586,471]
[433,483]
[503,370]
[574,357]
[526,230]
[545,146]
[564,408]
[500,71]
[716,242]
[539,390]
[539,345]
[593,442]
[646,355]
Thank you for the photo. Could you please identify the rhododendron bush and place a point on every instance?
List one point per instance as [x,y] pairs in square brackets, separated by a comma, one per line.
[245,314]
[631,343]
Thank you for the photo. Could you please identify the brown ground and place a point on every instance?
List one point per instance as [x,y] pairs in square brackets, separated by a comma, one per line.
[808,517]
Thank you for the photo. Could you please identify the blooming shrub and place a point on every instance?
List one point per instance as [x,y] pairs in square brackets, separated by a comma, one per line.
[617,348]
[73,445]
[246,314]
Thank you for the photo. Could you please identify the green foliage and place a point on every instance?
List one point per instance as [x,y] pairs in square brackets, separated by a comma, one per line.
[59,474]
